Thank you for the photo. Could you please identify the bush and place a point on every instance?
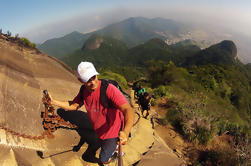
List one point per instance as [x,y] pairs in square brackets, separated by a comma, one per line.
[175,117]
[217,157]
[27,43]
[114,76]
[160,91]
[153,102]
[192,122]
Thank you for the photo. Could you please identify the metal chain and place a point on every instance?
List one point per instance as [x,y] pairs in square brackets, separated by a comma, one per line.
[51,122]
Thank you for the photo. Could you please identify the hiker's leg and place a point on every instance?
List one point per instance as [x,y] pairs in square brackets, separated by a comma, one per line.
[90,153]
[147,113]
[142,112]
[144,108]
[107,149]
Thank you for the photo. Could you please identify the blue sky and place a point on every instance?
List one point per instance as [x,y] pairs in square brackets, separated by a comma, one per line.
[40,20]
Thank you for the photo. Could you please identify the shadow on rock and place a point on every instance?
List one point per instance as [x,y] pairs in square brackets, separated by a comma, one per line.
[85,131]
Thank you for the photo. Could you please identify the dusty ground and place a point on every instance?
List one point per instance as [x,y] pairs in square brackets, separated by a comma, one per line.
[172,138]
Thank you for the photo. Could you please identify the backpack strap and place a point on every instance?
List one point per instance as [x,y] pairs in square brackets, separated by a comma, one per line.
[103,97]
[81,94]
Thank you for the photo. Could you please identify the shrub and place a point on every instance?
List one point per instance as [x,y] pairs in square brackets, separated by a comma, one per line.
[160,91]
[27,43]
[8,33]
[175,117]
[114,76]
[217,157]
[191,121]
[153,102]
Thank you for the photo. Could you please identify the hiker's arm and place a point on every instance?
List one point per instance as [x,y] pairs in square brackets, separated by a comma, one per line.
[150,101]
[67,105]
[129,120]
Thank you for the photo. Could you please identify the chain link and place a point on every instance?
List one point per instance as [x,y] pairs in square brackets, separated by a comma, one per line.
[51,122]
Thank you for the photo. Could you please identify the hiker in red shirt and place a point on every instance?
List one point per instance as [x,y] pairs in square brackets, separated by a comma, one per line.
[106,121]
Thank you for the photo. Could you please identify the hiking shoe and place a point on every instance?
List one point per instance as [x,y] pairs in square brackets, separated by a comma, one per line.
[90,158]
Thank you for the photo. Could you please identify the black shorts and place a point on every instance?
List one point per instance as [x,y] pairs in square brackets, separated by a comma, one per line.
[147,107]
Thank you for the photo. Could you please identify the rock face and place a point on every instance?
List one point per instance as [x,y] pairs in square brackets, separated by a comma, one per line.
[24,74]
[93,43]
[230,47]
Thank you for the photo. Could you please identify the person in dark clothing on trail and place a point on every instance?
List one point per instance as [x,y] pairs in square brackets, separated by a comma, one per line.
[136,88]
[141,91]
[145,104]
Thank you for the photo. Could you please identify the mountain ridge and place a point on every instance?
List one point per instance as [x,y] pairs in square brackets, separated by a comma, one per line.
[131,31]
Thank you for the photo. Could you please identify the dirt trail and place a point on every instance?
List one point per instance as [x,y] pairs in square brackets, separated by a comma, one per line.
[159,153]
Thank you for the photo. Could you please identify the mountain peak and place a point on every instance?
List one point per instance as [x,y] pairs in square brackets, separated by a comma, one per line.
[224,52]
[157,41]
[94,42]
[229,46]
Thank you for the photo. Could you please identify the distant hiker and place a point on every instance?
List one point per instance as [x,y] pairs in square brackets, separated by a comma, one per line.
[136,88]
[140,91]
[145,104]
[112,120]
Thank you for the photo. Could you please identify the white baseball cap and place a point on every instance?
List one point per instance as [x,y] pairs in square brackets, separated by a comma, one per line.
[86,70]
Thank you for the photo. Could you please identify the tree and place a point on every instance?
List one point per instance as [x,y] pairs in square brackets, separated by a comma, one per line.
[8,33]
[17,36]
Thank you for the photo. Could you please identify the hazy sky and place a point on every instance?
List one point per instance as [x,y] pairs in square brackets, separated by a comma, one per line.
[40,20]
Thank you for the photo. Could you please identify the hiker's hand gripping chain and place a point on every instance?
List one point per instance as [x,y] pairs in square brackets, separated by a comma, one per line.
[51,121]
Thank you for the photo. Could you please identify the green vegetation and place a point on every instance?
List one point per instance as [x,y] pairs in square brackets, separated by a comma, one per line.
[131,73]
[109,52]
[114,55]
[27,42]
[114,76]
[222,53]
[60,47]
[206,101]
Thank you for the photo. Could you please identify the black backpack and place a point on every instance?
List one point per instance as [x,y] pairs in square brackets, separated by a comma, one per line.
[103,97]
